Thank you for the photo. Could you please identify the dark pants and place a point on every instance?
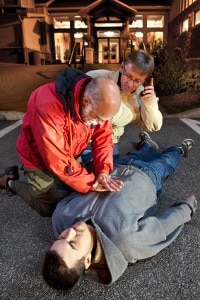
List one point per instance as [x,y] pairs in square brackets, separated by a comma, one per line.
[42,191]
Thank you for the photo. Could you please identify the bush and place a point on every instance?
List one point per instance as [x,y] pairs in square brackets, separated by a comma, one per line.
[191,76]
[173,73]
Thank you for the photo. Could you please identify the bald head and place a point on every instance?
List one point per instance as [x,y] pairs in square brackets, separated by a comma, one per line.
[104,95]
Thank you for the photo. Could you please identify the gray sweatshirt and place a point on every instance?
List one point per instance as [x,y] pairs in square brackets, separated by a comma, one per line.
[125,221]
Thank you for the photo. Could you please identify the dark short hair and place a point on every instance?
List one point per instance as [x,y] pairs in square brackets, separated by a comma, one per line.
[57,274]
[141,61]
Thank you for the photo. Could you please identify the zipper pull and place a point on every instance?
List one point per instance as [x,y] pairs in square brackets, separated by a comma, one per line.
[70,171]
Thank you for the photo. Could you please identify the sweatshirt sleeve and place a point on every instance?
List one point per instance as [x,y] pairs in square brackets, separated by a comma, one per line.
[154,233]
[177,215]
[151,118]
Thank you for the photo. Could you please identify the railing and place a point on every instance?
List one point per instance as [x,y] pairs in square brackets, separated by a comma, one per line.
[72,55]
[77,59]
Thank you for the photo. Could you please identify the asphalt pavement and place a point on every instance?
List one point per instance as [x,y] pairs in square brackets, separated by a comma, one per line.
[173,273]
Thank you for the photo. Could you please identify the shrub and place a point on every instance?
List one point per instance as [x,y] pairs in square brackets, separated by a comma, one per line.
[173,73]
[191,77]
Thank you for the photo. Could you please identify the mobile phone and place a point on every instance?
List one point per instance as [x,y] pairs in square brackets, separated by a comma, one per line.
[149,81]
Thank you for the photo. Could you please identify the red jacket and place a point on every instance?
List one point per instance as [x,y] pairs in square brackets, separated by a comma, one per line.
[45,141]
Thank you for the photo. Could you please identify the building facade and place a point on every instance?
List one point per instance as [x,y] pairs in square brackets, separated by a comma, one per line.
[102,31]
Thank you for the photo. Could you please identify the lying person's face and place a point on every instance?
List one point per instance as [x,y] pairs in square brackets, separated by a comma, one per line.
[74,243]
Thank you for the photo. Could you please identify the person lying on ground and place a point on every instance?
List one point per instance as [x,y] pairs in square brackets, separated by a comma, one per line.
[99,234]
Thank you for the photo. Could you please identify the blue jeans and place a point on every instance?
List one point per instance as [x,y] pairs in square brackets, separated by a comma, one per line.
[156,165]
[86,155]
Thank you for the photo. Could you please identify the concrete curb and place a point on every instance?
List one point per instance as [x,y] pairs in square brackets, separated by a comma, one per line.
[11,115]
[16,115]
[192,113]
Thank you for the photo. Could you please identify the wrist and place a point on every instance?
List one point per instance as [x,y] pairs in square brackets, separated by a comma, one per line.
[92,188]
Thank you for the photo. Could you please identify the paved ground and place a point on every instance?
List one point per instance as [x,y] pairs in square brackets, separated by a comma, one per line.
[173,274]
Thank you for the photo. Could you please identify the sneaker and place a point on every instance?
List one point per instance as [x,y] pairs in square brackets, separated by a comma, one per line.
[9,173]
[145,138]
[186,145]
[3,181]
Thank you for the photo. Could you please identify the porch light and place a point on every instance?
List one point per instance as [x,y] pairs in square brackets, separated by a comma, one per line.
[108,33]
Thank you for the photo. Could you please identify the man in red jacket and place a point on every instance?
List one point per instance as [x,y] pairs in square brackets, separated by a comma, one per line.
[62,118]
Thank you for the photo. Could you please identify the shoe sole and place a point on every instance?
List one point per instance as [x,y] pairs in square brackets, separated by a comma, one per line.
[148,139]
[188,144]
[185,142]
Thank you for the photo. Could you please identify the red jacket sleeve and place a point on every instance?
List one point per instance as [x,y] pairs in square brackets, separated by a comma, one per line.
[102,148]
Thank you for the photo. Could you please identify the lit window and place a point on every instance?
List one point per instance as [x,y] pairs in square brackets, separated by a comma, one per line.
[108,33]
[197,17]
[61,22]
[62,43]
[78,23]
[156,21]
[156,36]
[108,24]
[138,22]
[139,35]
[185,25]
[137,38]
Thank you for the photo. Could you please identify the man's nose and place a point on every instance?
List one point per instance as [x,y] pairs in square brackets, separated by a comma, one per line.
[131,83]
[70,234]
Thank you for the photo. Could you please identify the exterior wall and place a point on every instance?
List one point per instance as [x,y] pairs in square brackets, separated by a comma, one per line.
[11,49]
[26,28]
[188,40]
[31,42]
[25,33]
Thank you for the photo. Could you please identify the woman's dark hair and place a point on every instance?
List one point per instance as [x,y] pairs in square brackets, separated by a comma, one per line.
[57,274]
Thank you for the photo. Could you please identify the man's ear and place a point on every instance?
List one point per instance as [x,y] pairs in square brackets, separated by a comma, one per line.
[86,101]
[88,260]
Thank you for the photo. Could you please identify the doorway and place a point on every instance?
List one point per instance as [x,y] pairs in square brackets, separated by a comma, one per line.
[108,50]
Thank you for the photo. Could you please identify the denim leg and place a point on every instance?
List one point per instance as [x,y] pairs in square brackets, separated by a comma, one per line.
[86,156]
[172,157]
[115,152]
[145,153]
[161,167]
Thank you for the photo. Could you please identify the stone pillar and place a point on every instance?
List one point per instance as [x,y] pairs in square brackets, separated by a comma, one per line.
[89,55]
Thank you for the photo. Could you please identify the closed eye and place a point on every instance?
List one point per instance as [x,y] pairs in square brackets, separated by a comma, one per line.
[73,245]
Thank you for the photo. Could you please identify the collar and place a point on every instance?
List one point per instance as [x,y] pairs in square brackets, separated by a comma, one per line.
[119,80]
[99,257]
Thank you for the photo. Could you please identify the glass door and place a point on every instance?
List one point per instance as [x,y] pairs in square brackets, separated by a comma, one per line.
[108,50]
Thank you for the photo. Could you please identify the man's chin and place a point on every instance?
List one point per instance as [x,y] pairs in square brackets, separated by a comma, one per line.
[128,91]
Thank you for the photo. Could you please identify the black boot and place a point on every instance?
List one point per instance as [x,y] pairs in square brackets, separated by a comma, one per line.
[13,171]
